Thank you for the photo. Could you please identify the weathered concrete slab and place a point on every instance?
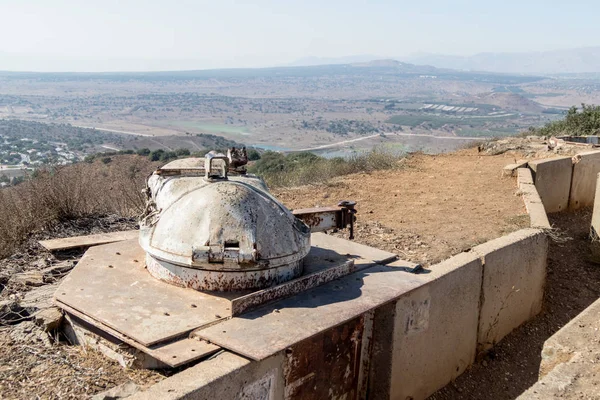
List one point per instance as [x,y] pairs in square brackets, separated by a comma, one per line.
[435,329]
[88,240]
[514,274]
[569,367]
[226,376]
[552,179]
[361,254]
[273,328]
[574,380]
[511,169]
[595,227]
[596,212]
[524,176]
[586,167]
[534,206]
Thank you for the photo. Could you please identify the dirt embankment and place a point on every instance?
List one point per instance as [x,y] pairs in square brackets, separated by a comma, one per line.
[430,209]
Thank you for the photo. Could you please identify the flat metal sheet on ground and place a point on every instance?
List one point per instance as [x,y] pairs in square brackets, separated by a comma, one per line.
[329,258]
[337,247]
[183,351]
[88,240]
[174,354]
[270,329]
[111,285]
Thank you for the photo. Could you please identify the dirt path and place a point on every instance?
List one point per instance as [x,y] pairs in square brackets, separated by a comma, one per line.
[433,207]
[573,283]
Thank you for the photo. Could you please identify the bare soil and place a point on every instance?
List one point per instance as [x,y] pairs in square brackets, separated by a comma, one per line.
[573,283]
[429,209]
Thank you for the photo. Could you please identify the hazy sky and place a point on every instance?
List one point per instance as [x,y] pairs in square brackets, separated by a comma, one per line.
[108,35]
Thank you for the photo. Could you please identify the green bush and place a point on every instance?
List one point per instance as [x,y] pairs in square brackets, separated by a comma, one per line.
[253,155]
[575,123]
[156,155]
[304,168]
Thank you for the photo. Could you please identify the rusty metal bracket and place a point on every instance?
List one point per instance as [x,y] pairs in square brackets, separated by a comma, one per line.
[321,219]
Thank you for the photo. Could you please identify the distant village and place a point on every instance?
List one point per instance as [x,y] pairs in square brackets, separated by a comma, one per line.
[19,156]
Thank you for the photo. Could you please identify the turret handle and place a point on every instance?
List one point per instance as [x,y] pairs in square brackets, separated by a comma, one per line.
[208,165]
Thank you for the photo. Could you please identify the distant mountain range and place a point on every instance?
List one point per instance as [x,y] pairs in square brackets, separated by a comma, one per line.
[569,61]
[375,69]
[311,61]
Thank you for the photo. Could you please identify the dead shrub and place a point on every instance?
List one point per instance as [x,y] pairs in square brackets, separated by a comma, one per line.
[62,193]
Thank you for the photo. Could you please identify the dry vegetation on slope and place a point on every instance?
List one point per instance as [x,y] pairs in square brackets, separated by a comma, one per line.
[71,192]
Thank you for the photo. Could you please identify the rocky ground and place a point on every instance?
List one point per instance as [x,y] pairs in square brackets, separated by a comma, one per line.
[35,360]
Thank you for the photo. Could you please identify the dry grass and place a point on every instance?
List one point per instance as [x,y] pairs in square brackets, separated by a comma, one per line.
[32,368]
[69,192]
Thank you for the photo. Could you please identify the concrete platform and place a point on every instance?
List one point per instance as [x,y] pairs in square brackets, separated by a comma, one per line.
[435,333]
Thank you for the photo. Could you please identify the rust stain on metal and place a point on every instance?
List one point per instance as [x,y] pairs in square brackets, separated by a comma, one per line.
[221,281]
[312,219]
[290,288]
[336,351]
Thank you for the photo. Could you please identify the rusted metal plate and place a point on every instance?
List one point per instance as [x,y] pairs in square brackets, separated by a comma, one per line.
[326,366]
[324,263]
[88,240]
[298,285]
[111,285]
[183,351]
[319,219]
[221,281]
[173,354]
[274,327]
[362,255]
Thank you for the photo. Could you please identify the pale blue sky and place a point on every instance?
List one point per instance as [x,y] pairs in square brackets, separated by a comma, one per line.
[109,35]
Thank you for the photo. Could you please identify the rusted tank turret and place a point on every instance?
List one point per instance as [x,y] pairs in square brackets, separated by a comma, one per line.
[211,230]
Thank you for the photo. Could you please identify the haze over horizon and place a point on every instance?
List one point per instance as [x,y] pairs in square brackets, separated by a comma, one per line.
[156,35]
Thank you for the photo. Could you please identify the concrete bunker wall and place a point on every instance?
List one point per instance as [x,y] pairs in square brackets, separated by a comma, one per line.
[421,341]
[566,182]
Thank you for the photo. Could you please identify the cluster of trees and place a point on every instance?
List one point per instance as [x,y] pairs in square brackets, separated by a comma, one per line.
[271,162]
[75,138]
[577,122]
[15,180]
[162,155]
[341,127]
[307,168]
